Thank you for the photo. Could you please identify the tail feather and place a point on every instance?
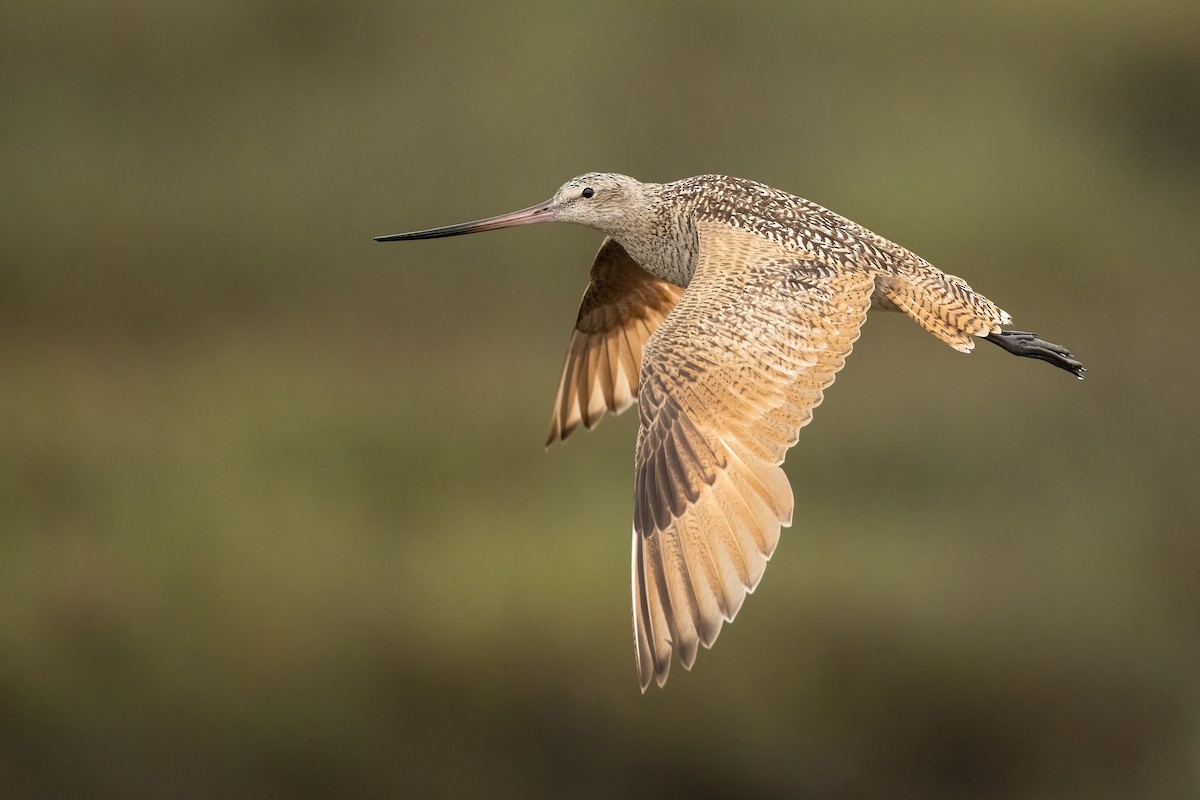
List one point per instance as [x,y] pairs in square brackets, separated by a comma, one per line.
[945,305]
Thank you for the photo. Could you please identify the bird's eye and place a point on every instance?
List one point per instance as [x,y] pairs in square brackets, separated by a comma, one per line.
[587,192]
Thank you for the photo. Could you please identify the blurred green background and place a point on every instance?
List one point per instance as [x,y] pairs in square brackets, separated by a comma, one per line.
[275,518]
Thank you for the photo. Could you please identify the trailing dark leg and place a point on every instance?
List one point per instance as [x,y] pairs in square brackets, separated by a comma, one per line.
[1027,345]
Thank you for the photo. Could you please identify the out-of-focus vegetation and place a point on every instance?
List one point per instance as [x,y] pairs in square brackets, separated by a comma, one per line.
[275,519]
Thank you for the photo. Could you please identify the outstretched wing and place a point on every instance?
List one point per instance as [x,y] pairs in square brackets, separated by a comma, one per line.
[728,380]
[621,308]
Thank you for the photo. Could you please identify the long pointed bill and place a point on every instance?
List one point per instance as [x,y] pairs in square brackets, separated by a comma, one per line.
[526,216]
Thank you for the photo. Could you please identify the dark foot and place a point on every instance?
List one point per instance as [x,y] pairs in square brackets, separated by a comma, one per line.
[1027,345]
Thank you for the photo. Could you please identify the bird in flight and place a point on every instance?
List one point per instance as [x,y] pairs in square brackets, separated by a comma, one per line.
[724,308]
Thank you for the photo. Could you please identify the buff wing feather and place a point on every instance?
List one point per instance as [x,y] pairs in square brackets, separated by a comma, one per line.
[621,308]
[727,382]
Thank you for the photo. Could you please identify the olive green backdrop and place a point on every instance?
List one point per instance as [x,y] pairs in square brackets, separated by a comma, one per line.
[275,518]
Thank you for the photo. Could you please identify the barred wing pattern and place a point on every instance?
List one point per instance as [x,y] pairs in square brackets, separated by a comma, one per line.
[727,382]
[621,308]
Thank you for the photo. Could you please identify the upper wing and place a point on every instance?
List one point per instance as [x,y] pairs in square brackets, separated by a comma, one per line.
[621,308]
[728,380]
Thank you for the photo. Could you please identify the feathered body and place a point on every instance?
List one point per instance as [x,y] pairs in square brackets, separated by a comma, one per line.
[725,308]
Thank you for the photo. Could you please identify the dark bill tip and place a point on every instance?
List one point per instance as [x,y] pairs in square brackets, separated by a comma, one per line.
[526,216]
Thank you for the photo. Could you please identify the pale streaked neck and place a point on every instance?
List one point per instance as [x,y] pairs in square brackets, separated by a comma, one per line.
[659,234]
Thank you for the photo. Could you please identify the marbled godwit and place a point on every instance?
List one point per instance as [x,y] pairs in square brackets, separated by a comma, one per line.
[725,307]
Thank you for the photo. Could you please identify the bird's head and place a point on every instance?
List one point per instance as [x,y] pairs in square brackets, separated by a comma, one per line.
[605,201]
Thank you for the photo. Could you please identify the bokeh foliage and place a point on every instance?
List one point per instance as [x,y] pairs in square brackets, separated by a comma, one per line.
[274,513]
